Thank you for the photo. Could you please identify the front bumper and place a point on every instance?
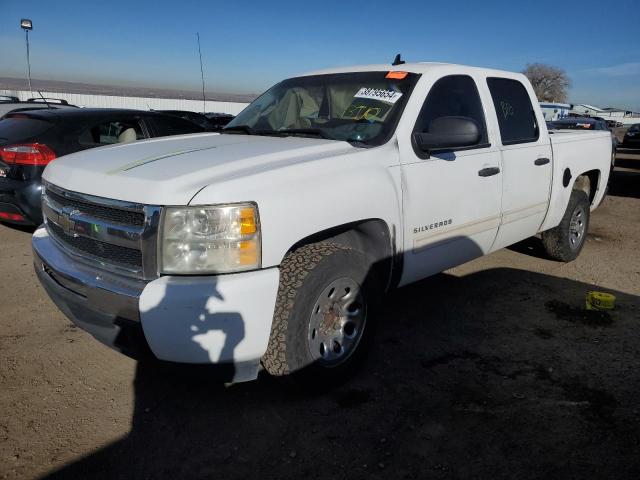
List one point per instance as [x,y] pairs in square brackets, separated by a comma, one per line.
[224,319]
[21,198]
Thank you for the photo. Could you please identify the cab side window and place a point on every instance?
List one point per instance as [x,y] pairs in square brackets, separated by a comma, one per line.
[453,96]
[516,117]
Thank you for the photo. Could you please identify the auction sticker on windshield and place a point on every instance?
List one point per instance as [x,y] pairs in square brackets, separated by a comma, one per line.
[388,96]
[367,109]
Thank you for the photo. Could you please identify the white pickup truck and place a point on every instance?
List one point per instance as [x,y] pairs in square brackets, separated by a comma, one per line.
[268,244]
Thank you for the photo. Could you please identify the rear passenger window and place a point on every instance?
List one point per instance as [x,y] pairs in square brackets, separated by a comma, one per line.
[516,117]
[453,96]
[108,133]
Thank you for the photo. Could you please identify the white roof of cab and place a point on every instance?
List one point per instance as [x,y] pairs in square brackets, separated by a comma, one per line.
[418,67]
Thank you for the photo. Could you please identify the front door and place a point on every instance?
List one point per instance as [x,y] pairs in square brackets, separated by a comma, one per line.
[451,199]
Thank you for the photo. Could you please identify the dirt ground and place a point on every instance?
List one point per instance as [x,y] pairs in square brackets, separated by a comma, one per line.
[490,370]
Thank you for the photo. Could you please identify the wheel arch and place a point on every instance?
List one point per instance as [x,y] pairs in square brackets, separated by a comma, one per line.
[371,236]
[588,182]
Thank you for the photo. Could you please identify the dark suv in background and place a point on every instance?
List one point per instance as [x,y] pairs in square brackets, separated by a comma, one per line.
[29,140]
[219,120]
[632,137]
[12,104]
[583,123]
[211,122]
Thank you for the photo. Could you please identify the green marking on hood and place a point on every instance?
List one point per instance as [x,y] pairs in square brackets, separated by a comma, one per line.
[144,161]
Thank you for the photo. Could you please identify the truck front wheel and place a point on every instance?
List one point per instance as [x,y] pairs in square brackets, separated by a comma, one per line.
[565,241]
[322,320]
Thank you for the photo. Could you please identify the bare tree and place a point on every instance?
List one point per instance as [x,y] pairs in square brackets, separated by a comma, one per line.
[550,83]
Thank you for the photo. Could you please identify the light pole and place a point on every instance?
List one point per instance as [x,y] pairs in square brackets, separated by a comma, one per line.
[204,102]
[27,25]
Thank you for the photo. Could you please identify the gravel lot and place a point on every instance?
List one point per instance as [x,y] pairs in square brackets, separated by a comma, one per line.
[490,370]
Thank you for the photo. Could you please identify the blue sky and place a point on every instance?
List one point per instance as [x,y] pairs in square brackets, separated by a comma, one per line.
[248,46]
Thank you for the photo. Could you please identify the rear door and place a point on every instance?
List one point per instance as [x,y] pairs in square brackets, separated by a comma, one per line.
[451,199]
[526,162]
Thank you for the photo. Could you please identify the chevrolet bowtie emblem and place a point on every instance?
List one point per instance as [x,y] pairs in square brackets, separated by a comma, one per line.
[64,220]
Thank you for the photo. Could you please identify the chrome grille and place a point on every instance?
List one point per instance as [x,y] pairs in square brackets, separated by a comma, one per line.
[127,257]
[110,234]
[100,211]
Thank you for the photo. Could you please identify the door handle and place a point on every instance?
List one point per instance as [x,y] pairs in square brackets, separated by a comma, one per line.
[542,161]
[489,171]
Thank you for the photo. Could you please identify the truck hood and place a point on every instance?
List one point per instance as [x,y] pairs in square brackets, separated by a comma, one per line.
[171,170]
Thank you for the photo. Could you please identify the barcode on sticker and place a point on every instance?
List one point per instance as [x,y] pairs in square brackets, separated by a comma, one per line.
[389,96]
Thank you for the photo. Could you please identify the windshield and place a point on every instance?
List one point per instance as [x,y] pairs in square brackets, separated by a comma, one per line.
[363,108]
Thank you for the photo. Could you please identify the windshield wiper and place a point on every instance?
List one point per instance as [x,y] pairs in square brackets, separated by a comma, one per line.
[240,128]
[246,129]
[358,143]
[250,131]
[316,132]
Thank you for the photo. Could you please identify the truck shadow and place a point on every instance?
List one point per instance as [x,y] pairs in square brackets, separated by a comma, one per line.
[626,183]
[21,228]
[531,246]
[497,374]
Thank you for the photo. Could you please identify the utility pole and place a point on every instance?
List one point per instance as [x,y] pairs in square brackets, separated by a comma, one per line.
[204,102]
[27,25]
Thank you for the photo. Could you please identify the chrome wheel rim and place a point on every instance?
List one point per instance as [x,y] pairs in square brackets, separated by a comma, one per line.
[337,322]
[577,227]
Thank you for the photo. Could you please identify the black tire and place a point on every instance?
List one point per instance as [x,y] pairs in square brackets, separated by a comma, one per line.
[562,242]
[305,274]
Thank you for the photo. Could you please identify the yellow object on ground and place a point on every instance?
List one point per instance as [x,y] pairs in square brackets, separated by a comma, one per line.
[600,301]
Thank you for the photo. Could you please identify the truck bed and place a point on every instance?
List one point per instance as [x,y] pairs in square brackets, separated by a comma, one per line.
[576,152]
[564,136]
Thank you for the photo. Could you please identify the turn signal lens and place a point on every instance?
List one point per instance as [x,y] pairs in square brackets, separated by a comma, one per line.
[248,253]
[247,221]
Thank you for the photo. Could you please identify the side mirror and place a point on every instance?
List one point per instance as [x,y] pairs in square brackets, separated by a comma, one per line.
[447,133]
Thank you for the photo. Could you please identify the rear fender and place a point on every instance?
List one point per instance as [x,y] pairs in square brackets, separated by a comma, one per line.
[590,157]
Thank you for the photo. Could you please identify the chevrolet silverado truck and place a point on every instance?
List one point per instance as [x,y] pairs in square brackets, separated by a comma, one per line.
[268,245]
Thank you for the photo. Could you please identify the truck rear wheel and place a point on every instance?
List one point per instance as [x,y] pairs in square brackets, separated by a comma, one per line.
[565,241]
[322,320]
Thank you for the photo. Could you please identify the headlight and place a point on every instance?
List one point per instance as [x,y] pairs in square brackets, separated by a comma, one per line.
[210,239]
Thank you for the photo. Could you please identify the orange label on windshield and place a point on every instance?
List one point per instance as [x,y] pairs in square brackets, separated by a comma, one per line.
[397,75]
